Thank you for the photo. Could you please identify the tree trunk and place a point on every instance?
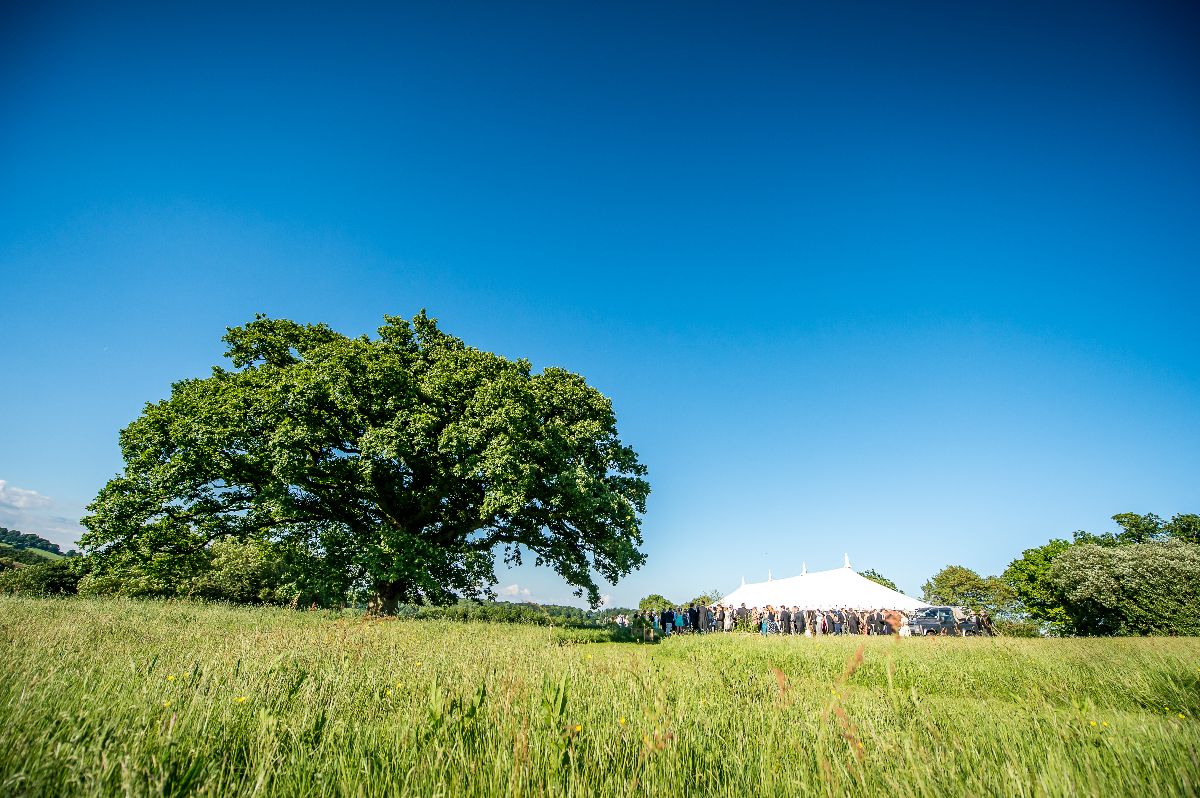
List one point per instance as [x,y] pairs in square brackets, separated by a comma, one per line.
[386,598]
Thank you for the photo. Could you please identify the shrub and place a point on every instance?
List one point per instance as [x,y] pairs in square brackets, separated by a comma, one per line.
[56,578]
[242,573]
[1017,627]
[1133,589]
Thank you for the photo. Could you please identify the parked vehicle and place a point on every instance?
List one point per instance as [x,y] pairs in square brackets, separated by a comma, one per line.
[938,621]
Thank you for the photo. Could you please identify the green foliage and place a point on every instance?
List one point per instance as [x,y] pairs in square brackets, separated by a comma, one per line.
[879,578]
[402,464]
[958,586]
[55,578]
[1015,625]
[654,602]
[1146,528]
[116,697]
[1131,589]
[1029,580]
[708,598]
[246,572]
[504,612]
[1041,598]
[243,572]
[1185,527]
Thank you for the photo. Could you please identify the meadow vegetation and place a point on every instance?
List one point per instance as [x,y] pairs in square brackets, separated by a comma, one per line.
[112,696]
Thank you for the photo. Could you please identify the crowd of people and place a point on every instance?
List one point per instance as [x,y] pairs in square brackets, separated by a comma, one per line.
[770,620]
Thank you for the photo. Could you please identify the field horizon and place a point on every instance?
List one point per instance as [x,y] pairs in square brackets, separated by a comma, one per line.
[106,697]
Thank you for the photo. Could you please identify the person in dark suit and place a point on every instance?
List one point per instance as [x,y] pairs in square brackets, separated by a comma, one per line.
[873,622]
[693,613]
[837,622]
[785,621]
[852,622]
[667,618]
[742,615]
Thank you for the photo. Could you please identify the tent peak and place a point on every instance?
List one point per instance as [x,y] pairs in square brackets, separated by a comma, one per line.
[846,560]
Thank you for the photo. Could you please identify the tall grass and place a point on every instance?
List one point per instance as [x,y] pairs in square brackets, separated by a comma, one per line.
[118,697]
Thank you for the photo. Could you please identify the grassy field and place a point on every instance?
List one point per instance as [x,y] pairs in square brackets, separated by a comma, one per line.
[125,698]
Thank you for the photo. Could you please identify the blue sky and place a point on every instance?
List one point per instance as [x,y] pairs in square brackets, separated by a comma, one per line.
[914,282]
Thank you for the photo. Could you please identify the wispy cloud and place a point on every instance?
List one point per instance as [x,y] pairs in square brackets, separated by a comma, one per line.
[14,498]
[515,592]
[33,512]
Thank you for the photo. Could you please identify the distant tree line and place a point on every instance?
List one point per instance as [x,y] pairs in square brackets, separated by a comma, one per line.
[254,572]
[509,612]
[25,540]
[1141,579]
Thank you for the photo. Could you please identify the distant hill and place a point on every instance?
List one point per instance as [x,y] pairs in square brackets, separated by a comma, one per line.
[30,542]
[12,557]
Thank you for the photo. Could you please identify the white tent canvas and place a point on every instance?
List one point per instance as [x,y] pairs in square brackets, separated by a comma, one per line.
[823,590]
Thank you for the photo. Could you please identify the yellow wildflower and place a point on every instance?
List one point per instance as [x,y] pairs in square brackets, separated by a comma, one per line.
[1181,716]
[579,727]
[389,692]
[1104,723]
[621,720]
[1093,723]
[240,699]
[170,677]
[166,705]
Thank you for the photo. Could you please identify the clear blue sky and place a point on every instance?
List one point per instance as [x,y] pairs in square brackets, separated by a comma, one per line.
[912,281]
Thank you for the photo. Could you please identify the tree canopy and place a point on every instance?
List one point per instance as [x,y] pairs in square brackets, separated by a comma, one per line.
[654,602]
[1137,588]
[1148,528]
[1069,599]
[879,578]
[1028,577]
[959,586]
[708,597]
[406,463]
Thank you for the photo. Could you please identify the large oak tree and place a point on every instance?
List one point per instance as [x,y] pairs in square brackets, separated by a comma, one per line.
[409,461]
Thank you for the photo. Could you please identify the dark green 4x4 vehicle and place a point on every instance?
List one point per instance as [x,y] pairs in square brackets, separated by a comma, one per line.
[937,621]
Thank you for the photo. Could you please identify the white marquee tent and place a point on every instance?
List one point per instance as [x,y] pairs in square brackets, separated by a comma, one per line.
[822,590]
